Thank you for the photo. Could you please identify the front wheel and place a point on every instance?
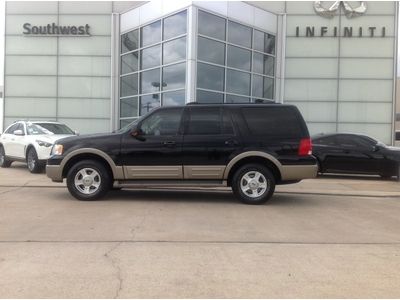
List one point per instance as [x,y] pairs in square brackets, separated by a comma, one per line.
[88,180]
[253,184]
[4,162]
[34,165]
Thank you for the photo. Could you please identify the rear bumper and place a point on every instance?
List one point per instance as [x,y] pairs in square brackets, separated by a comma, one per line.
[298,172]
[54,172]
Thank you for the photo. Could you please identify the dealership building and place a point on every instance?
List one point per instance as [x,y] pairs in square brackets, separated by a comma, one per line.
[97,66]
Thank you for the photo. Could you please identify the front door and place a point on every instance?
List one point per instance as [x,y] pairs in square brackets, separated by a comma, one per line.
[155,151]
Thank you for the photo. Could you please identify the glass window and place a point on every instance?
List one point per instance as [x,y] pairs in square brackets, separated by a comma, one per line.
[174,77]
[150,57]
[273,121]
[209,97]
[346,141]
[173,98]
[175,25]
[238,82]
[125,122]
[130,62]
[264,42]
[162,123]
[211,25]
[204,121]
[129,107]
[239,34]
[263,87]
[236,99]
[148,103]
[130,41]
[263,64]
[129,85]
[174,50]
[150,34]
[12,129]
[210,77]
[48,128]
[211,51]
[150,81]
[239,58]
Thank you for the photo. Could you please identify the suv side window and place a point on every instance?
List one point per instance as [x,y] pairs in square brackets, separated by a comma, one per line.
[162,123]
[205,121]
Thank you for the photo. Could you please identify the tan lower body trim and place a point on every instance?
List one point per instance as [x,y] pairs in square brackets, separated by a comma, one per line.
[203,172]
[298,172]
[153,172]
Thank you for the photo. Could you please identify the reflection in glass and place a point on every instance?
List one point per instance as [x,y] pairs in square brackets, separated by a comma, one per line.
[209,97]
[129,85]
[239,34]
[148,103]
[236,99]
[129,62]
[150,57]
[211,51]
[129,107]
[125,122]
[173,98]
[174,77]
[130,41]
[263,87]
[264,42]
[150,34]
[239,58]
[150,81]
[211,25]
[174,50]
[263,64]
[210,77]
[238,82]
[175,25]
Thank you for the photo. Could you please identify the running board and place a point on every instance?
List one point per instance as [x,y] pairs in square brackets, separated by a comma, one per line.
[169,183]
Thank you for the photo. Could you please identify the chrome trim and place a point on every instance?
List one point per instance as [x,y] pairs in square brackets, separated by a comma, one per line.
[153,172]
[203,172]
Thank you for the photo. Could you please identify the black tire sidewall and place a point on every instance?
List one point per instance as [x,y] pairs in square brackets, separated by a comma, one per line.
[38,166]
[105,177]
[6,163]
[243,197]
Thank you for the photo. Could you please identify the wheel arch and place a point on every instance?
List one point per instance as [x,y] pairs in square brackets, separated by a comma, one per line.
[253,157]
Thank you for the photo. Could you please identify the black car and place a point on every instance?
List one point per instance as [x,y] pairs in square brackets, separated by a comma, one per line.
[355,154]
[248,147]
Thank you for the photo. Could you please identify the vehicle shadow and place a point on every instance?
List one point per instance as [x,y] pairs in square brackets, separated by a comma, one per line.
[356,177]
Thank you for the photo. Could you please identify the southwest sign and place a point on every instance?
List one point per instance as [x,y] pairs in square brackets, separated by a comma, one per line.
[56,30]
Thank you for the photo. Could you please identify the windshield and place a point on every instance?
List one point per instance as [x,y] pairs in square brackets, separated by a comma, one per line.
[48,128]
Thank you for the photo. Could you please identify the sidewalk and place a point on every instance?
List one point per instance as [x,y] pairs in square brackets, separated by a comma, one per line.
[19,176]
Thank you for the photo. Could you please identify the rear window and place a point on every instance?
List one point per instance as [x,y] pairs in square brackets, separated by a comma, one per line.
[274,121]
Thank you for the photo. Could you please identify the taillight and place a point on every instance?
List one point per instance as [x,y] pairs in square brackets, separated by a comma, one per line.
[305,147]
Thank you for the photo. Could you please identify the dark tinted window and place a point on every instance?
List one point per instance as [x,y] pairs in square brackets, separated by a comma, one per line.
[273,121]
[329,141]
[204,121]
[163,122]
[346,141]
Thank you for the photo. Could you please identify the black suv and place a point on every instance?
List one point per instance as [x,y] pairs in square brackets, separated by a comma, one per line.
[249,147]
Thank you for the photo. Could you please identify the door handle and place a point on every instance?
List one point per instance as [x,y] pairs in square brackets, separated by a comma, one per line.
[231,143]
[169,143]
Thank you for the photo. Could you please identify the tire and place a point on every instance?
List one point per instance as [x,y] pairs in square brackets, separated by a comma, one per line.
[88,180]
[34,164]
[398,172]
[253,184]
[4,162]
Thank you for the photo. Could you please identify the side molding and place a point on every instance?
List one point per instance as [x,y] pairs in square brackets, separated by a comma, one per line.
[118,172]
[253,154]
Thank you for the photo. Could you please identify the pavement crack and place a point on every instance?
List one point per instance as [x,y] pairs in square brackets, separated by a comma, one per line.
[117,268]
[12,190]
[135,228]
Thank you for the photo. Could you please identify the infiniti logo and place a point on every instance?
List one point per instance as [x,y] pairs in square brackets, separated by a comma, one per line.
[349,11]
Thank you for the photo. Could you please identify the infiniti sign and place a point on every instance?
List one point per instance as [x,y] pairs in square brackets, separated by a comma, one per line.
[349,11]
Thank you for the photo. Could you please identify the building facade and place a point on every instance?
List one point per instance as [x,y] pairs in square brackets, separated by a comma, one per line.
[98,66]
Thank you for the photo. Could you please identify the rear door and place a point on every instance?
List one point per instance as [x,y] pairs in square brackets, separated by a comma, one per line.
[208,143]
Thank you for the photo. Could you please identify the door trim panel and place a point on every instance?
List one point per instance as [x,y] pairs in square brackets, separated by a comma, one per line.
[153,172]
[203,172]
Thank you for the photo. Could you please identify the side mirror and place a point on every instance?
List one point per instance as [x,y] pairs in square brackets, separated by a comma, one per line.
[18,132]
[76,132]
[376,148]
[137,133]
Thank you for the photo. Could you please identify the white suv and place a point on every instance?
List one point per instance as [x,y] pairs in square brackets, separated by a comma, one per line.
[30,142]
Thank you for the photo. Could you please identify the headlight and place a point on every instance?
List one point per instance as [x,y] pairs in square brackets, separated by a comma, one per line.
[43,144]
[57,149]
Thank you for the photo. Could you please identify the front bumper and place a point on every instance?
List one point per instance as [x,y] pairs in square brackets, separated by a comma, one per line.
[54,172]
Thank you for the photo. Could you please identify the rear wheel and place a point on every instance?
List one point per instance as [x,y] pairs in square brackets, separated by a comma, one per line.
[253,184]
[34,165]
[88,180]
[4,162]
